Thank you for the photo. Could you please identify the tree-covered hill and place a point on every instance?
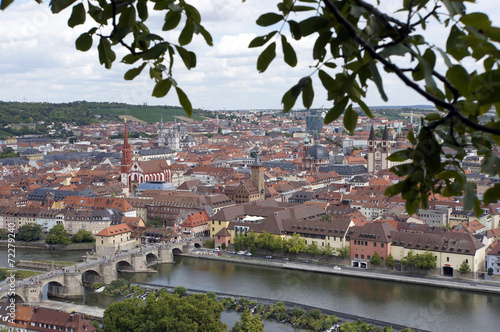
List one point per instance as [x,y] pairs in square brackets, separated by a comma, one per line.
[82,112]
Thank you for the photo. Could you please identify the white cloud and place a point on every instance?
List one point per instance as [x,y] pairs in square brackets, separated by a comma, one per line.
[39,62]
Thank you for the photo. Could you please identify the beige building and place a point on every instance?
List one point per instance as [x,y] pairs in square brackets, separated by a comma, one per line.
[451,249]
[113,238]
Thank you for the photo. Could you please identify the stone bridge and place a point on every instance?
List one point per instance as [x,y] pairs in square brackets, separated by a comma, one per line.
[68,282]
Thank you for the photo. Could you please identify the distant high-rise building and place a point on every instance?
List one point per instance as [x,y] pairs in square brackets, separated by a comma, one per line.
[314,124]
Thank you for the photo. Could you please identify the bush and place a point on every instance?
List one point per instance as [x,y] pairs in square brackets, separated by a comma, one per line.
[209,244]
[180,290]
[212,296]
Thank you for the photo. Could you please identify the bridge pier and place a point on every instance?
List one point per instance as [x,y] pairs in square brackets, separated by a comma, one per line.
[165,255]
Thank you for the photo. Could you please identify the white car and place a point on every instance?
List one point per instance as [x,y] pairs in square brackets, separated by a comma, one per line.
[337,268]
[241,252]
[248,254]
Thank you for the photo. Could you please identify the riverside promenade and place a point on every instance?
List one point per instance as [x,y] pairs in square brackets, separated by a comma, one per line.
[476,285]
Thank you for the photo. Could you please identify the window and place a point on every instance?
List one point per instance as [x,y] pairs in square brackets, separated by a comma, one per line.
[367,257]
[382,245]
[374,244]
[447,259]
[467,261]
[362,256]
[356,256]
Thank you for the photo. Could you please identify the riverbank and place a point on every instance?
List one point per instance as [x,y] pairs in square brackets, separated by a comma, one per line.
[343,317]
[433,281]
[45,246]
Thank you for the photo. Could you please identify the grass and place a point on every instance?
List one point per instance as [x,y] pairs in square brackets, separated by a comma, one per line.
[20,274]
[149,114]
[55,262]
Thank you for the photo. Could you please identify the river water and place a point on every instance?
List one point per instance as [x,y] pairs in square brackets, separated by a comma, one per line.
[429,308]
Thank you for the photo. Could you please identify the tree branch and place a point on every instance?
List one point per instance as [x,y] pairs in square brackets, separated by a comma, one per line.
[451,107]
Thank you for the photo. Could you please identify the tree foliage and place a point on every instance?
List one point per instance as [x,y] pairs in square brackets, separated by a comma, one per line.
[425,261]
[390,261]
[156,222]
[344,252]
[83,237]
[464,268]
[29,232]
[353,42]
[375,260]
[58,235]
[248,323]
[167,312]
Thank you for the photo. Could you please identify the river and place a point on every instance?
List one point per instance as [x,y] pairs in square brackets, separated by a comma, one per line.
[429,308]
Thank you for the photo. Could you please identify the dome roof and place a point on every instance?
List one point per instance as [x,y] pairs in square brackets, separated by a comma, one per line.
[318,152]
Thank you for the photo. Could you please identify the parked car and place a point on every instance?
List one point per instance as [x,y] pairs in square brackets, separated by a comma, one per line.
[337,268]
[216,249]
[231,252]
[248,254]
[269,256]
[305,261]
[241,252]
[286,258]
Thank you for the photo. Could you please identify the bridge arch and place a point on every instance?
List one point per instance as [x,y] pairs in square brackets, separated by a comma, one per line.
[54,288]
[176,251]
[91,277]
[17,298]
[124,266]
[197,245]
[151,259]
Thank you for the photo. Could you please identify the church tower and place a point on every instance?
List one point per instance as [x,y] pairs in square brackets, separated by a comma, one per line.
[385,150]
[399,138]
[126,157]
[161,133]
[372,145]
[258,175]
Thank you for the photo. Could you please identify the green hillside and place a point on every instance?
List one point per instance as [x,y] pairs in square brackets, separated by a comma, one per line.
[150,114]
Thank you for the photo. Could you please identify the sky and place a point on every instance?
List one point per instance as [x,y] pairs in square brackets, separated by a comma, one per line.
[39,62]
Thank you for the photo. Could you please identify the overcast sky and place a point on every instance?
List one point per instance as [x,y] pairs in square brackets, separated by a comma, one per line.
[39,62]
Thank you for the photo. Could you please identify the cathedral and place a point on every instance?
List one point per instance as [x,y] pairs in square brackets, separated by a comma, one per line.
[134,172]
[176,137]
[377,155]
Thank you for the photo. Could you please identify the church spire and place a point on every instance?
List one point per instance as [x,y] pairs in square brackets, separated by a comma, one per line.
[372,134]
[385,135]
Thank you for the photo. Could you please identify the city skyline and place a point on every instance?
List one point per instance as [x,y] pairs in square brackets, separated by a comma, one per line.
[40,63]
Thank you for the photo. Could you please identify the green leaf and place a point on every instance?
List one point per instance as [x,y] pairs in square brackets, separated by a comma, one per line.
[266,57]
[479,21]
[187,33]
[259,41]
[295,29]
[350,119]
[288,100]
[313,24]
[106,54]
[57,5]
[162,87]
[206,35]
[5,4]
[492,194]
[84,42]
[288,52]
[401,155]
[185,103]
[308,93]
[319,50]
[130,58]
[455,45]
[192,13]
[269,19]
[142,9]
[470,197]
[77,16]
[377,79]
[155,51]
[327,81]
[127,18]
[189,58]
[132,73]
[459,78]
[337,110]
[172,19]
